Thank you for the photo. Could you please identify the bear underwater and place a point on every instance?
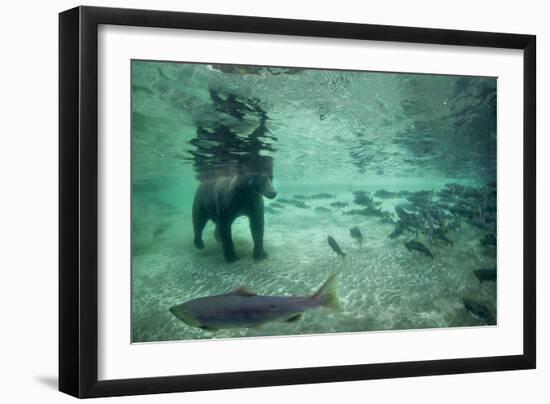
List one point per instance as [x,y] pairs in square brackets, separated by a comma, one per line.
[226,198]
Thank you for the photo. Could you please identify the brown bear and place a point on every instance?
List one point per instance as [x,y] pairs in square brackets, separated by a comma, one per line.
[224,199]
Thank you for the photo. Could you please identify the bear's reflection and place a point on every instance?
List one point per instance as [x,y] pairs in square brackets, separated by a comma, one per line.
[234,176]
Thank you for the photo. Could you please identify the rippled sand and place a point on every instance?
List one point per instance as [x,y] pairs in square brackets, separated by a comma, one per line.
[381,285]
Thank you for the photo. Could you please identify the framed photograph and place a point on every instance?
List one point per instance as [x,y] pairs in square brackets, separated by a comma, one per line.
[250,201]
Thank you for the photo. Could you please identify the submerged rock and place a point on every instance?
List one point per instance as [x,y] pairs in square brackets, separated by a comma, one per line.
[270,211]
[276,205]
[383,194]
[339,204]
[322,195]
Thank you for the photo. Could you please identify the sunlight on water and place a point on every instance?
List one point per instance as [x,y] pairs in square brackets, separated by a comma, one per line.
[345,149]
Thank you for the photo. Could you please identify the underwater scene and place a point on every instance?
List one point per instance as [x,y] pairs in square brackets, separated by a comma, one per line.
[273,201]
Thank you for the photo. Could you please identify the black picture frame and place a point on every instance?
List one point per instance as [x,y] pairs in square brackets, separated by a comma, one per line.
[78,201]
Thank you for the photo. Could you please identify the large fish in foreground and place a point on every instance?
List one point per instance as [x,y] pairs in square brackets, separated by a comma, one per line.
[242,308]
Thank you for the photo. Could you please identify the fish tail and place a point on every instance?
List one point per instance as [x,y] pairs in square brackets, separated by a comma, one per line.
[327,294]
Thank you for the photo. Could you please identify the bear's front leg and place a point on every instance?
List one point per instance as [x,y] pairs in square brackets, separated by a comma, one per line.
[224,230]
[257,230]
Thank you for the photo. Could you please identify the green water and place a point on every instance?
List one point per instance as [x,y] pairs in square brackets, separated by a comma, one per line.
[331,132]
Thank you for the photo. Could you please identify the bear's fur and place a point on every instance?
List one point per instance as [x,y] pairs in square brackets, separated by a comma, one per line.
[224,199]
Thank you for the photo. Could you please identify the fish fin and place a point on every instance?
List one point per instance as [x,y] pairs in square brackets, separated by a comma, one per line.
[185,315]
[293,318]
[327,293]
[243,292]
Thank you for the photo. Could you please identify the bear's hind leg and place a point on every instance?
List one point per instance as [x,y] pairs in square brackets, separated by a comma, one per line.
[224,231]
[199,221]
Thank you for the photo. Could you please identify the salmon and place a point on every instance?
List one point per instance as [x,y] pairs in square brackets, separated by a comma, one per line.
[245,309]
[335,247]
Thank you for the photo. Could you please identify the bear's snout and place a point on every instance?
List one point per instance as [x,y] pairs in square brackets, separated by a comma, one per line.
[270,193]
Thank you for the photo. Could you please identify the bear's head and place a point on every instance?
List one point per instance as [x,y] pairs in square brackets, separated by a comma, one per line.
[261,183]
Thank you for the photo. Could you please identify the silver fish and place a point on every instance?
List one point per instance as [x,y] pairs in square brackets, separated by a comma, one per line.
[479,311]
[418,246]
[244,309]
[356,234]
[484,275]
[335,247]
